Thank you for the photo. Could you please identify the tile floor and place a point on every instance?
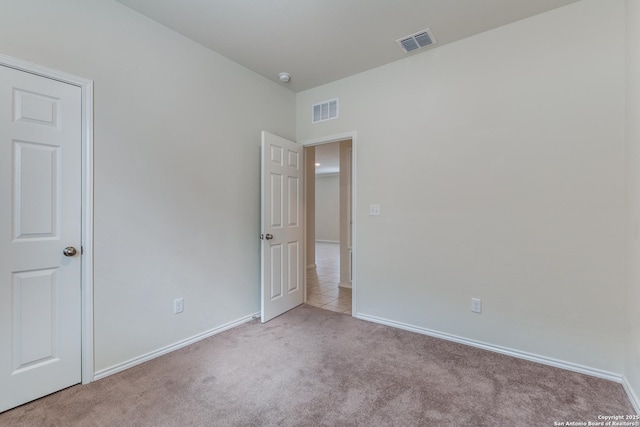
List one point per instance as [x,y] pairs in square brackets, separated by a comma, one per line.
[323,280]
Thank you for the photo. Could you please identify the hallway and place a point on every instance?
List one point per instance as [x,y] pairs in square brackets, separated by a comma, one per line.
[322,281]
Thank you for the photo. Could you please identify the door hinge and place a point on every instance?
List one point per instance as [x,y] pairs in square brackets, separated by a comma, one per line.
[81,250]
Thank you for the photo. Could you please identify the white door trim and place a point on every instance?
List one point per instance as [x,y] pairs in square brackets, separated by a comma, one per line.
[86,87]
[325,140]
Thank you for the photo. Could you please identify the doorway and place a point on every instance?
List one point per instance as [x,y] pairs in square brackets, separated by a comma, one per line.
[329,225]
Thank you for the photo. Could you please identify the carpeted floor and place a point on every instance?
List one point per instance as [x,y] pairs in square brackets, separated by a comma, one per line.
[312,367]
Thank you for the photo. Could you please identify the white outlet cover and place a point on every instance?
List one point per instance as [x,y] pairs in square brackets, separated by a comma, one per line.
[374,210]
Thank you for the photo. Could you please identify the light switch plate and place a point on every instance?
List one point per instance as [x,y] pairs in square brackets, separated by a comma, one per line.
[178,305]
[476,305]
[374,210]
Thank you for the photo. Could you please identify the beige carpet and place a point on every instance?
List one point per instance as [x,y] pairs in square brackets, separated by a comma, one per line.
[312,367]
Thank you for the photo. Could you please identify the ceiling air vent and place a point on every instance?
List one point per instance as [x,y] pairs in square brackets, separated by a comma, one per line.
[325,110]
[416,41]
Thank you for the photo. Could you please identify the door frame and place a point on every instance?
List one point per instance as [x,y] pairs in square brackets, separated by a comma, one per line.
[86,259]
[354,271]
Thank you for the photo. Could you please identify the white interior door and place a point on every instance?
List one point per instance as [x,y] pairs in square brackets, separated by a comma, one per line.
[40,215]
[282,260]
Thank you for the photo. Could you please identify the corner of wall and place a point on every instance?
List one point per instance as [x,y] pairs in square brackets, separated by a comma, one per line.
[632,141]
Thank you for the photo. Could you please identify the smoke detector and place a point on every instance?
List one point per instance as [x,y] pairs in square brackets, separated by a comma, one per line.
[417,40]
[284,77]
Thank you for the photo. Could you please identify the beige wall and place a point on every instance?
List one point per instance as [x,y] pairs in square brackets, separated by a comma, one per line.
[177,134]
[498,162]
[328,207]
[346,222]
[310,205]
[632,341]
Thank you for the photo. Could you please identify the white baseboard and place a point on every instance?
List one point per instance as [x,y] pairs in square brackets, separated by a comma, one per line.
[631,394]
[344,285]
[168,349]
[498,349]
[309,266]
[327,241]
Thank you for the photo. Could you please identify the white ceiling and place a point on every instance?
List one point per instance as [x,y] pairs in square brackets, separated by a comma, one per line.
[320,41]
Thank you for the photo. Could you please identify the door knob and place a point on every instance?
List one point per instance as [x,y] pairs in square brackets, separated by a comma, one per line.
[69,251]
[268,236]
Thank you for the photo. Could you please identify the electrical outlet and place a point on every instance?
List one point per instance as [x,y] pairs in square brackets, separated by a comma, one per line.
[476,305]
[178,305]
[374,210]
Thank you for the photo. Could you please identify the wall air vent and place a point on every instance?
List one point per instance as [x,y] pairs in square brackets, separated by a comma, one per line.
[416,41]
[326,110]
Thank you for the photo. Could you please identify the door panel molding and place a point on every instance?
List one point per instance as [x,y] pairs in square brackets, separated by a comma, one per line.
[86,88]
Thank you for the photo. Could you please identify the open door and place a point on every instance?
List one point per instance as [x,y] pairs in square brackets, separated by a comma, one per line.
[281,205]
